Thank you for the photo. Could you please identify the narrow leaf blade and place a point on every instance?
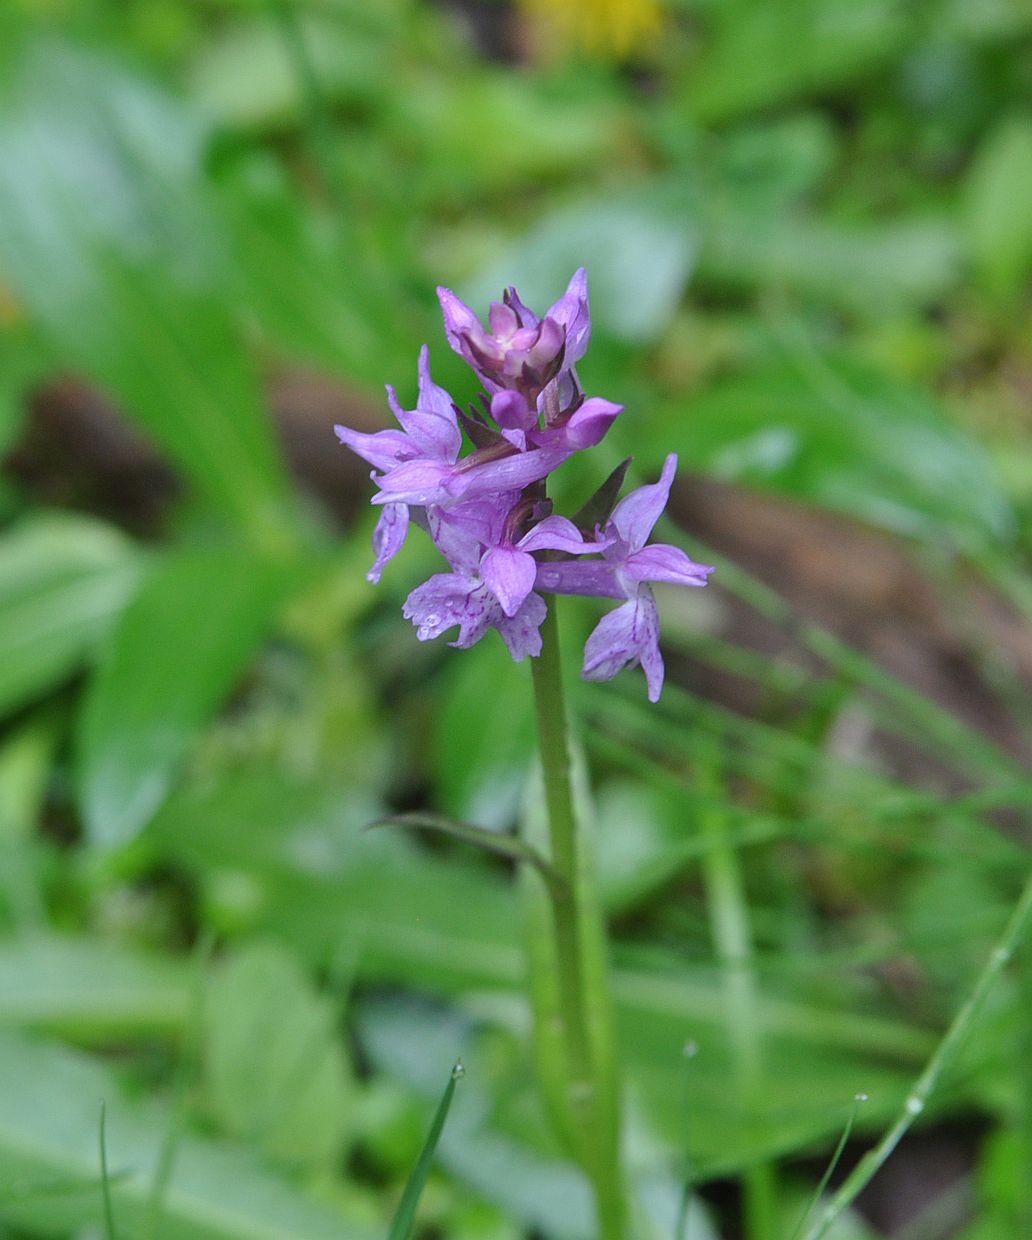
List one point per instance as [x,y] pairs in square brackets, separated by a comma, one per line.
[405,1219]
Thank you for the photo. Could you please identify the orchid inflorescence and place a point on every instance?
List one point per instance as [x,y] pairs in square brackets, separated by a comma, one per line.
[488,512]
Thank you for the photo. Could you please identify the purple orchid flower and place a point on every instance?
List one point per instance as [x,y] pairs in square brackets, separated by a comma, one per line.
[487,511]
[520,351]
[629,634]
[492,585]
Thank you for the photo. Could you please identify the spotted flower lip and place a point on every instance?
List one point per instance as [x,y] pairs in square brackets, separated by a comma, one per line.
[486,509]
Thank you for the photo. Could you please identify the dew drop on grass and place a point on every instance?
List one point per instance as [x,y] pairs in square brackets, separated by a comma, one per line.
[458,1072]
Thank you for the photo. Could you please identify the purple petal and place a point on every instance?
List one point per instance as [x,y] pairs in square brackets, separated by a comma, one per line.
[450,599]
[511,411]
[636,514]
[556,534]
[591,421]
[589,578]
[627,635]
[571,311]
[509,575]
[463,531]
[432,426]
[526,316]
[436,403]
[459,322]
[518,439]
[384,449]
[548,343]
[503,319]
[414,482]
[510,473]
[662,562]
[522,631]
[388,537]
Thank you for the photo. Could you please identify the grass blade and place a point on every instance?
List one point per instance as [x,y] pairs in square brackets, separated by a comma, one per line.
[829,1170]
[105,1180]
[404,1220]
[510,846]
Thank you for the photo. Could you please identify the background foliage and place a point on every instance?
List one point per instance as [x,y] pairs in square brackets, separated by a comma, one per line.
[808,226]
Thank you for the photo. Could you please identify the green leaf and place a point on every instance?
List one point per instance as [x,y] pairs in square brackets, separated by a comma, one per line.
[416,919]
[63,582]
[493,841]
[482,742]
[244,75]
[405,1219]
[109,241]
[598,508]
[861,268]
[998,206]
[90,990]
[50,1172]
[791,49]
[275,1068]
[175,655]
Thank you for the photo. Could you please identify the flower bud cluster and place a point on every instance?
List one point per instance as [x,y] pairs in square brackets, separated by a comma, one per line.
[487,510]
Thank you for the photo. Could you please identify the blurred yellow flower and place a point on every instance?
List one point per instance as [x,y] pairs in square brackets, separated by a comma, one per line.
[10,311]
[605,27]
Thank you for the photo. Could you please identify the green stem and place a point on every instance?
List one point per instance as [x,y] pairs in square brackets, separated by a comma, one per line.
[589,1108]
[943,1056]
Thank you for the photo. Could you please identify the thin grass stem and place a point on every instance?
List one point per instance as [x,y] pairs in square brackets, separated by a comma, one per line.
[942,1058]
[110,1231]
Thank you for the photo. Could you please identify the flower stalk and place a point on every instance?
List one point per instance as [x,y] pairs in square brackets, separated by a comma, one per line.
[593,1114]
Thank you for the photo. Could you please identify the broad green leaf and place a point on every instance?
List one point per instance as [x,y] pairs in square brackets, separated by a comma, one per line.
[840,434]
[50,1172]
[412,918]
[275,1066]
[271,821]
[244,75]
[862,268]
[90,990]
[999,206]
[110,243]
[176,653]
[64,580]
[765,54]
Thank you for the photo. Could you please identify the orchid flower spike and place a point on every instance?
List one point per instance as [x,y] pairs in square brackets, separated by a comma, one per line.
[487,510]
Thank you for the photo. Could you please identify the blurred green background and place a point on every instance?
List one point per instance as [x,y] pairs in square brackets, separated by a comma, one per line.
[808,230]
